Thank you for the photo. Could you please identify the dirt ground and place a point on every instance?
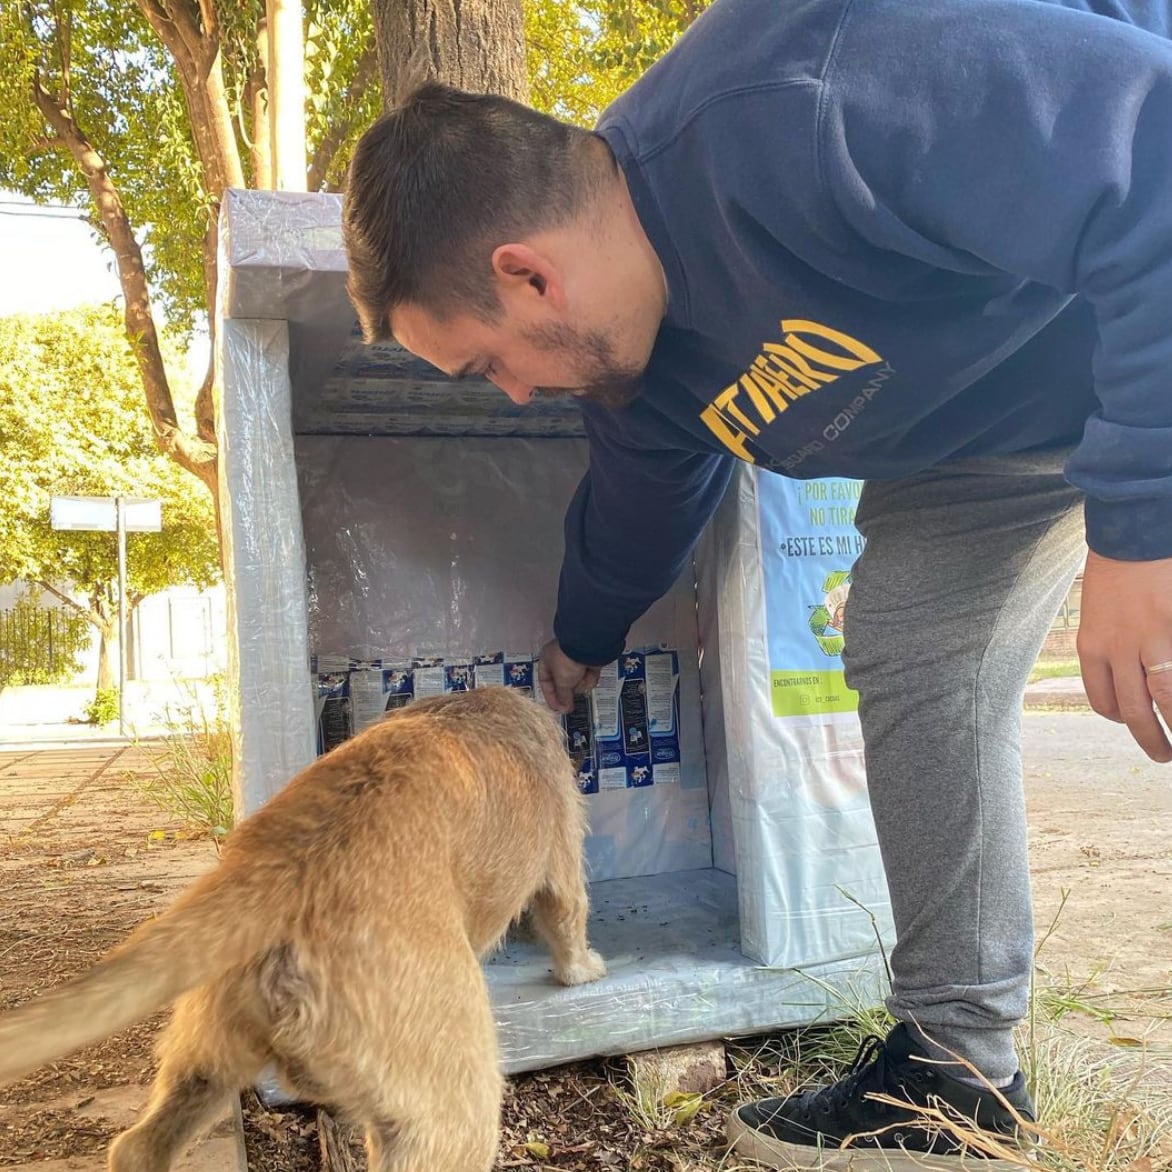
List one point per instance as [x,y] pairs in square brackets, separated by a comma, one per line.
[83,859]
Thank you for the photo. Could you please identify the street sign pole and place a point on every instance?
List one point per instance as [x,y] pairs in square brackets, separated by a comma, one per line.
[121,526]
[121,515]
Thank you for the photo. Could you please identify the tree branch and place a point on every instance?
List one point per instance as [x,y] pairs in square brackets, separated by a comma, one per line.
[49,142]
[253,84]
[175,25]
[327,149]
[191,452]
[262,130]
[210,19]
[205,410]
[64,40]
[197,57]
[49,588]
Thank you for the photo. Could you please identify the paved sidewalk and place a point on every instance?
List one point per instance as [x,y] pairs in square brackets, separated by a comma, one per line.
[43,737]
[1065,692]
[54,799]
[26,737]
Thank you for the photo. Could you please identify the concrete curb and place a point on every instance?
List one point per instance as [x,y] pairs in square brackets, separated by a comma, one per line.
[49,744]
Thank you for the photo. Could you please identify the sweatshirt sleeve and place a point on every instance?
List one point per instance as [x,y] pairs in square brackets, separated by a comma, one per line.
[630,529]
[1034,140]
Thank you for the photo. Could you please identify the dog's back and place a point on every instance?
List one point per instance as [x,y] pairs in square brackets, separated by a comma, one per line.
[341,935]
[463,793]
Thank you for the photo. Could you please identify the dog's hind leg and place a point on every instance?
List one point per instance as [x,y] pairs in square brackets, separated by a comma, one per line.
[182,1104]
[403,1148]
[451,1123]
[203,1059]
[560,911]
[429,1090]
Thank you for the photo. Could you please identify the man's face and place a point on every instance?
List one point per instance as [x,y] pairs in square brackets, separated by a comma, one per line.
[524,359]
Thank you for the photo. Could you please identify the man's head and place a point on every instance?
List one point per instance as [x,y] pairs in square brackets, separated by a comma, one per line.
[490,239]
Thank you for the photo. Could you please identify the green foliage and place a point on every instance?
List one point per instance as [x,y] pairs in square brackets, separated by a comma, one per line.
[583,55]
[193,767]
[71,423]
[103,708]
[40,644]
[1055,669]
[336,35]
[126,97]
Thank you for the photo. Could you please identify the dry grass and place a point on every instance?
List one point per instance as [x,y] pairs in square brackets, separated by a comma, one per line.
[192,763]
[1104,1104]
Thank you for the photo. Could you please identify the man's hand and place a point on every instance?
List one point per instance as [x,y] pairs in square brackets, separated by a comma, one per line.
[560,677]
[1125,646]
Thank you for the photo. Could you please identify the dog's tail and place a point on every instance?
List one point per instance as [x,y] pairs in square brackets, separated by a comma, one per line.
[206,932]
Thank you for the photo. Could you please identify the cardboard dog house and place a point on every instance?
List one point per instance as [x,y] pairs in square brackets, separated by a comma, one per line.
[391,535]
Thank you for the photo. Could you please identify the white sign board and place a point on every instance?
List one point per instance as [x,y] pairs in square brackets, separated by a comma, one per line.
[100,513]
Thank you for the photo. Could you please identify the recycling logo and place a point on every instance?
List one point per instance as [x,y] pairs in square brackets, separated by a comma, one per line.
[826,619]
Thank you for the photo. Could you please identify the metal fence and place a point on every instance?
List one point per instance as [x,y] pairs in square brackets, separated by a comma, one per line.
[40,644]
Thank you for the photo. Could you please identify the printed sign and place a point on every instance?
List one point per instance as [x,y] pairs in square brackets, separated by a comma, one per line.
[808,546]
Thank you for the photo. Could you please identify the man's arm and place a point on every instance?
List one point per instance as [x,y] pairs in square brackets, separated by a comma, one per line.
[630,529]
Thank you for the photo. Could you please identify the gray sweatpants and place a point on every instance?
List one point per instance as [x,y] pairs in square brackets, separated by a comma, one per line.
[962,574]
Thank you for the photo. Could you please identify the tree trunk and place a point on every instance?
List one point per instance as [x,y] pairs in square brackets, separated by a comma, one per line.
[192,35]
[257,96]
[196,455]
[472,44]
[108,657]
[103,613]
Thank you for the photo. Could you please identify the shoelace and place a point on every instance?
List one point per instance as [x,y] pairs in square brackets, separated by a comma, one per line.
[867,1070]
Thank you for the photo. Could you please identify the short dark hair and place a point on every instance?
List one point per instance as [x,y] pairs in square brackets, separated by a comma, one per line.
[439,182]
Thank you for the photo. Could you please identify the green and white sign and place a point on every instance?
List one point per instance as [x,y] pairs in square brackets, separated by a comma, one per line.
[808,545]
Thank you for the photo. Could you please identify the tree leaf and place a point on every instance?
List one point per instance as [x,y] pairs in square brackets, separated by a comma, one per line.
[684,1105]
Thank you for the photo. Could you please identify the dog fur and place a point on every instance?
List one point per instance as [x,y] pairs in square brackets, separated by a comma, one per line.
[340,940]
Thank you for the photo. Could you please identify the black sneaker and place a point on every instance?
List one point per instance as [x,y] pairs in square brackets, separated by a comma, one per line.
[842,1126]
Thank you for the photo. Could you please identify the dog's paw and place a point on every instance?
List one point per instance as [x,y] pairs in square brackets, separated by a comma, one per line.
[591,968]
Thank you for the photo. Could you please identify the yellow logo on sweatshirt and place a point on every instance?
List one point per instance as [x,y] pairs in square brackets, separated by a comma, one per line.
[808,357]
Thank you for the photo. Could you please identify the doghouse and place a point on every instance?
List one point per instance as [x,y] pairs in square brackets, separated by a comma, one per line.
[390,534]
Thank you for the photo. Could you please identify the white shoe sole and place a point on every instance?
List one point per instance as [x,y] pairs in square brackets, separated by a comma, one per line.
[775,1153]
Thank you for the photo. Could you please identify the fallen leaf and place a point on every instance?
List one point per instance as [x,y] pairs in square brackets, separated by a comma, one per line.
[536,1148]
[684,1105]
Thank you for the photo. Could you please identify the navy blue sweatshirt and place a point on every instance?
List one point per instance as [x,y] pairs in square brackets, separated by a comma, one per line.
[895,233]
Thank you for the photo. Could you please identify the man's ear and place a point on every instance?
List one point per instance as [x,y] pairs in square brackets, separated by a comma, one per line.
[521,271]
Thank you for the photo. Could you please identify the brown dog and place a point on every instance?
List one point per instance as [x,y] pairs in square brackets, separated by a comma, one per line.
[340,938]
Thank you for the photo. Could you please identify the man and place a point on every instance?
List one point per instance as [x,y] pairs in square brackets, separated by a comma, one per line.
[925,243]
